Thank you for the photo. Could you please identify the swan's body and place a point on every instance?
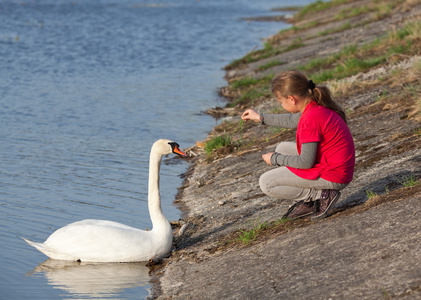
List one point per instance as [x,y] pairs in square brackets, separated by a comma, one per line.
[107,241]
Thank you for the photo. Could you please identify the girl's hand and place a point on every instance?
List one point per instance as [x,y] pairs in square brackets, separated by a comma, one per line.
[250,114]
[266,157]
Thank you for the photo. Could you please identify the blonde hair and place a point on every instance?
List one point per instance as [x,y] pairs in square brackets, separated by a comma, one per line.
[296,83]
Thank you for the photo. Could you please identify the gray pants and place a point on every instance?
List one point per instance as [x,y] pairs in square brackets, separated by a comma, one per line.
[283,184]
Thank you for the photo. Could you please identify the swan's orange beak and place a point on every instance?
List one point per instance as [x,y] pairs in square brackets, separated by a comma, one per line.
[177,150]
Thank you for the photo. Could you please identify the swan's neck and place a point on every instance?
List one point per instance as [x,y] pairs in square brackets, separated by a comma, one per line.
[154,199]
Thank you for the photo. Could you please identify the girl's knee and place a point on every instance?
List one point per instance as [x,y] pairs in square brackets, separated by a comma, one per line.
[287,148]
[263,183]
[268,185]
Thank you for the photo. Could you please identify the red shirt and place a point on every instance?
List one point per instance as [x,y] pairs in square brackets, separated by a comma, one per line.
[335,158]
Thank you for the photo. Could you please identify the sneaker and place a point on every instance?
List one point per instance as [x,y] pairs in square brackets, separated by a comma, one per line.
[326,203]
[299,210]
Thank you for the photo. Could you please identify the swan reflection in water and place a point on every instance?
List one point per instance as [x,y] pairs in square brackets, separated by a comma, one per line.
[94,280]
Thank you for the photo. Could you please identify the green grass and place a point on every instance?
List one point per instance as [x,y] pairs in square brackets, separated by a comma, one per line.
[297,43]
[248,82]
[250,96]
[318,6]
[251,90]
[386,294]
[382,96]
[384,10]
[371,194]
[277,130]
[343,27]
[409,180]
[378,9]
[353,59]
[225,140]
[247,236]
[346,13]
[217,142]
[271,64]
[244,82]
[267,52]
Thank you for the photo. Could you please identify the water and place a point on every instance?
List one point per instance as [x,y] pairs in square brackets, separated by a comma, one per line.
[85,88]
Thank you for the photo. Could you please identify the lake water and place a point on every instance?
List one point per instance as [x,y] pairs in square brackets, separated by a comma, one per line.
[86,87]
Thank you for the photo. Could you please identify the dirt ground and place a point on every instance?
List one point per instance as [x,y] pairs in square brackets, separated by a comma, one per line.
[369,248]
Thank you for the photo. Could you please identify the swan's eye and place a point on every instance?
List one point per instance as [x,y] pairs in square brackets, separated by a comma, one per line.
[173,145]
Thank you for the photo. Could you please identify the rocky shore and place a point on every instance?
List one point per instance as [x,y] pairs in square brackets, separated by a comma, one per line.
[370,247]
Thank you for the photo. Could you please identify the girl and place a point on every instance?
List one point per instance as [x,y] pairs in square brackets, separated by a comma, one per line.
[313,170]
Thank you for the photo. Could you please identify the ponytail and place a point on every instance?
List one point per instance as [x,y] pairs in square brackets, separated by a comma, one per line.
[323,97]
[296,83]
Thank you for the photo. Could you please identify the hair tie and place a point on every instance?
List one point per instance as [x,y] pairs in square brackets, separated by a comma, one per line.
[311,85]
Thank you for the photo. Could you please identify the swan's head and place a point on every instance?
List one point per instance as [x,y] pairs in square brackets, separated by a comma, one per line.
[167,147]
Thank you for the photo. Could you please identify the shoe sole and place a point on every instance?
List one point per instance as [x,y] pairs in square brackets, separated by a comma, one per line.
[300,216]
[328,209]
[285,216]
[297,217]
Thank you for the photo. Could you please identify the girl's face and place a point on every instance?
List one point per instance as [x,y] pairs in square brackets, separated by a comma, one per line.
[289,104]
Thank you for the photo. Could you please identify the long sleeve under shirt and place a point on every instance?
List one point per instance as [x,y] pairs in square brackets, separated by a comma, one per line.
[308,150]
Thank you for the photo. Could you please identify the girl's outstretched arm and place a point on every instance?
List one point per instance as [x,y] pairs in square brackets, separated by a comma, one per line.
[281,120]
[250,114]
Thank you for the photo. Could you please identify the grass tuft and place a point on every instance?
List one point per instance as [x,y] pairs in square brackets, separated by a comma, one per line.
[217,142]
[247,236]
[371,194]
[409,180]
[271,64]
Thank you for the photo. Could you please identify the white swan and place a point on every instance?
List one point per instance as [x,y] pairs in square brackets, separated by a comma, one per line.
[107,241]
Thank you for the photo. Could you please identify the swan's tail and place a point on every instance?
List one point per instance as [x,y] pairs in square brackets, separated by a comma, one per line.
[40,246]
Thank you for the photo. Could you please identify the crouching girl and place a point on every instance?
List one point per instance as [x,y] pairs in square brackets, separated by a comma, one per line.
[314,169]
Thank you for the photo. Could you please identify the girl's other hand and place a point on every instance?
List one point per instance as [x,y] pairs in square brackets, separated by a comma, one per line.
[266,157]
[250,114]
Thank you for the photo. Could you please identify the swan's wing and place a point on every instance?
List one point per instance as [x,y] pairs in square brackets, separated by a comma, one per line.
[100,223]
